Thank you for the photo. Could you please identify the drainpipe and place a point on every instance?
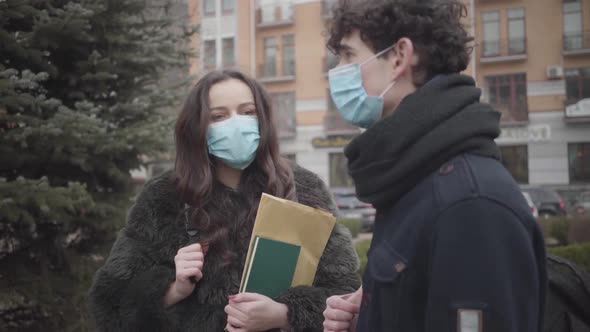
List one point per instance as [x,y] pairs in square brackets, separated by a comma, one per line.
[253,38]
[473,54]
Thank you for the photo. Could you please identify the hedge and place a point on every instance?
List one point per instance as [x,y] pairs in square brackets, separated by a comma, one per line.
[354,225]
[362,247]
[577,253]
[565,230]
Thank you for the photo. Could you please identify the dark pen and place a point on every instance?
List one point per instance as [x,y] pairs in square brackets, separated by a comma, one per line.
[193,237]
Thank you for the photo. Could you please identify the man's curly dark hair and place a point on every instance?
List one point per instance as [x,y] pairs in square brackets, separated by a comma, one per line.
[434,26]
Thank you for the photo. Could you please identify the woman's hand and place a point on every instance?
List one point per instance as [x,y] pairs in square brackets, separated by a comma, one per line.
[189,263]
[249,312]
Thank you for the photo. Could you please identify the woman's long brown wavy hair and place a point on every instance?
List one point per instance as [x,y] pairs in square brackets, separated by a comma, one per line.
[194,174]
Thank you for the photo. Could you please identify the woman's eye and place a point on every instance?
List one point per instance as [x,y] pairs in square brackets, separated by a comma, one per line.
[217,117]
[250,112]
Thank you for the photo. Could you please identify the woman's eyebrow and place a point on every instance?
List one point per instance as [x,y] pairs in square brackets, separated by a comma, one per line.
[221,108]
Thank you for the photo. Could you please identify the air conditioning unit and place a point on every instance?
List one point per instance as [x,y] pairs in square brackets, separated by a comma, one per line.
[554,72]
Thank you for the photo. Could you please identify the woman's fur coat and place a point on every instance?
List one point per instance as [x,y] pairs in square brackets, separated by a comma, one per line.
[128,291]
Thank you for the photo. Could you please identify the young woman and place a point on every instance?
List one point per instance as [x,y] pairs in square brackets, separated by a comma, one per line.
[227,155]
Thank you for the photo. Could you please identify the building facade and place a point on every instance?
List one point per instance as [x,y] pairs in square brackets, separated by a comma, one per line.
[531,60]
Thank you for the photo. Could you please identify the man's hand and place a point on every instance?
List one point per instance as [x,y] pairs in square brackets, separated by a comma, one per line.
[341,312]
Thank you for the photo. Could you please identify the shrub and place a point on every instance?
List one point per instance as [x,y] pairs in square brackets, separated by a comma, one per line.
[362,247]
[566,230]
[559,230]
[577,253]
[354,225]
[579,231]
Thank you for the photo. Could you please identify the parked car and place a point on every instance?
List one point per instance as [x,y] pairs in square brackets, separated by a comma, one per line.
[548,202]
[529,200]
[582,206]
[349,206]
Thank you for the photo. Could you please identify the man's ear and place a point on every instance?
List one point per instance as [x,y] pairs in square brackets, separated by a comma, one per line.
[404,58]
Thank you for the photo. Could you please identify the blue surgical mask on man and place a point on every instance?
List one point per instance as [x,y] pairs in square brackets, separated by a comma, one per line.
[235,140]
[350,96]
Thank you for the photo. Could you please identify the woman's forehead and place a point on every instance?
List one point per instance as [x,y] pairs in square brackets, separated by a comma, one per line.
[230,92]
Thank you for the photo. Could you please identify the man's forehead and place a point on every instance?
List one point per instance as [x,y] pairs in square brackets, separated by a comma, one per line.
[351,41]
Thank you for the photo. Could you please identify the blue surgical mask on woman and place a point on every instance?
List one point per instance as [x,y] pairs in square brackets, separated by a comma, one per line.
[350,96]
[235,140]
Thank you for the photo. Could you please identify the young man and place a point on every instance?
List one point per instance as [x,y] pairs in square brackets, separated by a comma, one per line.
[455,247]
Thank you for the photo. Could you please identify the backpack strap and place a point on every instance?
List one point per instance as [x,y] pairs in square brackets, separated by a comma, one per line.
[192,232]
[572,284]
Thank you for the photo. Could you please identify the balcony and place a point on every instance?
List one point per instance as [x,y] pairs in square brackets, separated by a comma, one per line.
[503,50]
[269,72]
[576,43]
[327,6]
[577,109]
[275,15]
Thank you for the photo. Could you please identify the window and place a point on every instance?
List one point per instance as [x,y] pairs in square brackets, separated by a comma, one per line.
[577,84]
[491,33]
[572,25]
[228,52]
[579,162]
[267,13]
[516,31]
[209,54]
[330,61]
[283,105]
[209,7]
[286,11]
[339,177]
[516,161]
[288,55]
[508,94]
[273,11]
[228,6]
[270,54]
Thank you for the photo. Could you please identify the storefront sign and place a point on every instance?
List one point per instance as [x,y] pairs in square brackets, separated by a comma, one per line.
[331,141]
[580,109]
[537,133]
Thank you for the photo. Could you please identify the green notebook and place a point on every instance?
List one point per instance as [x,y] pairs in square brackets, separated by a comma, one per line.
[271,267]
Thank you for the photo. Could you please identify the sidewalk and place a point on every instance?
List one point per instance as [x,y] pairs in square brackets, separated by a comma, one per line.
[362,237]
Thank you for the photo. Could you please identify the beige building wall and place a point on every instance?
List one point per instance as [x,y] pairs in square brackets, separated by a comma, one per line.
[194,8]
[547,158]
[310,83]
[544,33]
[244,36]
[544,41]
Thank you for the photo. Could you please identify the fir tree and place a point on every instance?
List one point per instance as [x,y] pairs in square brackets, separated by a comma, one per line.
[85,97]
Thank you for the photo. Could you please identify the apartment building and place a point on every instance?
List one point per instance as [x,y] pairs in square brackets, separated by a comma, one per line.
[532,61]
